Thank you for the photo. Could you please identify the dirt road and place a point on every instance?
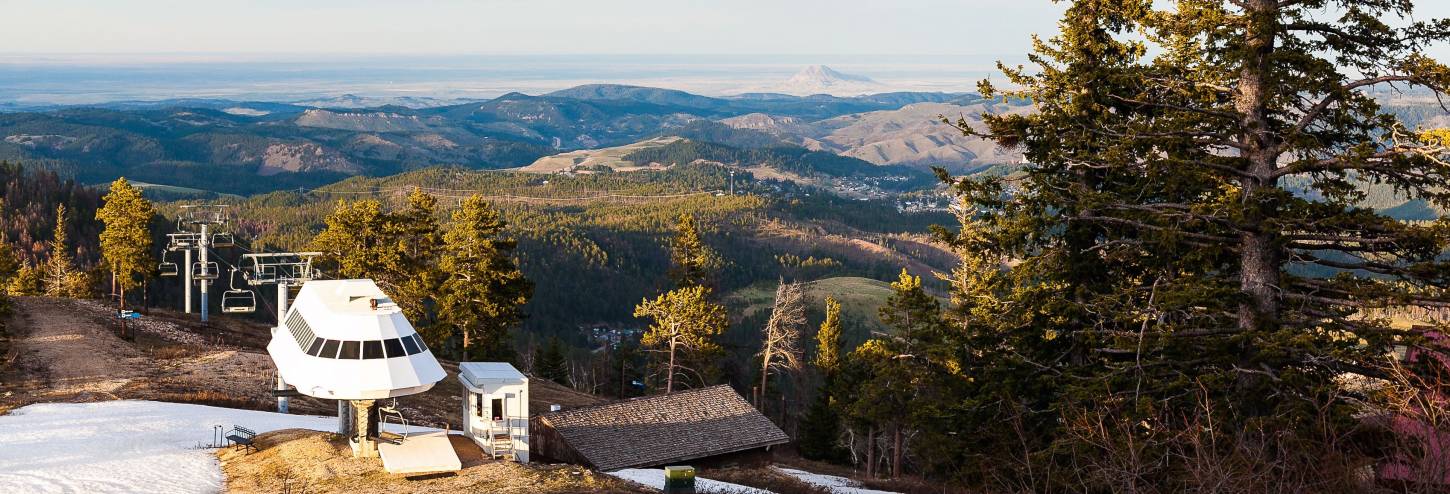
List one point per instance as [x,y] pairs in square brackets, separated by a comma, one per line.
[67,352]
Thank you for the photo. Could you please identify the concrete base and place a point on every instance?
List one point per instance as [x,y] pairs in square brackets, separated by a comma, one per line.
[420,453]
[365,449]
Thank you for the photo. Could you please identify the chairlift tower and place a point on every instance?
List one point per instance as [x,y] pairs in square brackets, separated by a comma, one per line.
[287,270]
[194,223]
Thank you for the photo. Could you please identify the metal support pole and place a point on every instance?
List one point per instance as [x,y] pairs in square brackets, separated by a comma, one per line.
[281,302]
[203,242]
[186,283]
[281,400]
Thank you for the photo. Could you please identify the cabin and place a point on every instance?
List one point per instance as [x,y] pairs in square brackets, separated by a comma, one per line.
[713,425]
[496,408]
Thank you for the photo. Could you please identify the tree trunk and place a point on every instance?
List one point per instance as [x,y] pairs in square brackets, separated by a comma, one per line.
[765,367]
[896,452]
[871,452]
[122,310]
[670,370]
[1258,258]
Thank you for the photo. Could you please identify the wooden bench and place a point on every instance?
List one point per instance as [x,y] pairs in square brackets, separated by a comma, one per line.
[243,436]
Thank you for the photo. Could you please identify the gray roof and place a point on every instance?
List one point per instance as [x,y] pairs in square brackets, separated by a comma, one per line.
[664,429]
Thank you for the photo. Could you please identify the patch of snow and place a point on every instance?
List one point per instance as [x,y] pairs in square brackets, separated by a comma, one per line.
[837,485]
[124,446]
[655,477]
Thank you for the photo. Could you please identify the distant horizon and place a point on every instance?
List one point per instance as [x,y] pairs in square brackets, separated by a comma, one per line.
[53,79]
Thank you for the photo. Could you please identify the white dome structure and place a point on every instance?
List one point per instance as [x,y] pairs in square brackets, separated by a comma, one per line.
[346,340]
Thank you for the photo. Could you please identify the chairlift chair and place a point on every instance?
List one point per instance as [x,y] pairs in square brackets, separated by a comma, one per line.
[236,300]
[223,240]
[204,271]
[167,268]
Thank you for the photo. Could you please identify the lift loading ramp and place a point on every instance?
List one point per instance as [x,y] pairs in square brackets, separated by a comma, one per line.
[428,452]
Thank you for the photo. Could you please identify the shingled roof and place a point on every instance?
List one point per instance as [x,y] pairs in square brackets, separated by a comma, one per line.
[656,430]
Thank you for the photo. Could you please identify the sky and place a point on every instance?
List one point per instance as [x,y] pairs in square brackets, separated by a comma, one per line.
[148,29]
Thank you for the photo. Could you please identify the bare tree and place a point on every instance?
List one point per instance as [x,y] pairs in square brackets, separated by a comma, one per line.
[781,349]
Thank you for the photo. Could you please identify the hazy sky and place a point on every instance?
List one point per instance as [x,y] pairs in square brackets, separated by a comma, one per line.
[978,27]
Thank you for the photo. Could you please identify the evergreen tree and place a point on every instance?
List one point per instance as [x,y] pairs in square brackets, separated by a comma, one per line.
[483,294]
[29,280]
[9,262]
[550,363]
[126,240]
[692,262]
[418,278]
[820,430]
[683,320]
[61,277]
[1184,161]
[361,240]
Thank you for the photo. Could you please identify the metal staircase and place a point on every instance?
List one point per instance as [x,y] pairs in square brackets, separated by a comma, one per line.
[502,440]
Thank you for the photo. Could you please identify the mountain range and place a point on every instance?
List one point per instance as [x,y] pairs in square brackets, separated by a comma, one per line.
[225,145]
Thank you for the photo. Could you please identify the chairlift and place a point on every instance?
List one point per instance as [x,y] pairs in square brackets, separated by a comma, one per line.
[392,411]
[236,300]
[167,268]
[223,240]
[204,271]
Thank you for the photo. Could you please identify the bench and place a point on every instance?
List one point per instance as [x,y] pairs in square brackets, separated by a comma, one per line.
[243,436]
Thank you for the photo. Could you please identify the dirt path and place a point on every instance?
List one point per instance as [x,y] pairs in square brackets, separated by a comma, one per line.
[66,351]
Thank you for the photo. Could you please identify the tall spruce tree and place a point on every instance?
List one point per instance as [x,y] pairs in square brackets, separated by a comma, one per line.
[9,262]
[1187,168]
[126,239]
[483,294]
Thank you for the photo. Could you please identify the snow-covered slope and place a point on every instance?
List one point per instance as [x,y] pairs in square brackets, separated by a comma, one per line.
[123,446]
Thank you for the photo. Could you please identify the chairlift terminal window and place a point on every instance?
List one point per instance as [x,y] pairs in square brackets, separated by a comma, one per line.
[394,347]
[498,409]
[372,349]
[329,349]
[350,350]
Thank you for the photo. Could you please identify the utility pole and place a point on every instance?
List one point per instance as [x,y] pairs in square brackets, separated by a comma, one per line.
[732,182]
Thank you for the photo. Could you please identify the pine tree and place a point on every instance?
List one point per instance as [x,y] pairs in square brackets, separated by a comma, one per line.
[9,262]
[683,320]
[418,278]
[29,280]
[61,277]
[692,262]
[550,363]
[126,240]
[361,240]
[821,427]
[1184,160]
[483,294]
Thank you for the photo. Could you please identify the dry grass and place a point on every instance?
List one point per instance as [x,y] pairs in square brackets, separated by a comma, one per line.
[211,398]
[296,460]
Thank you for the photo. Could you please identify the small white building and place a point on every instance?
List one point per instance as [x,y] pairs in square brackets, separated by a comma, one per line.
[496,408]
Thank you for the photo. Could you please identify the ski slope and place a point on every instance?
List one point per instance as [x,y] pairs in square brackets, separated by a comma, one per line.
[123,446]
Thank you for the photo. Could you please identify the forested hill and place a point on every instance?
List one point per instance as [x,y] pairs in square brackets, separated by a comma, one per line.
[595,244]
[244,148]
